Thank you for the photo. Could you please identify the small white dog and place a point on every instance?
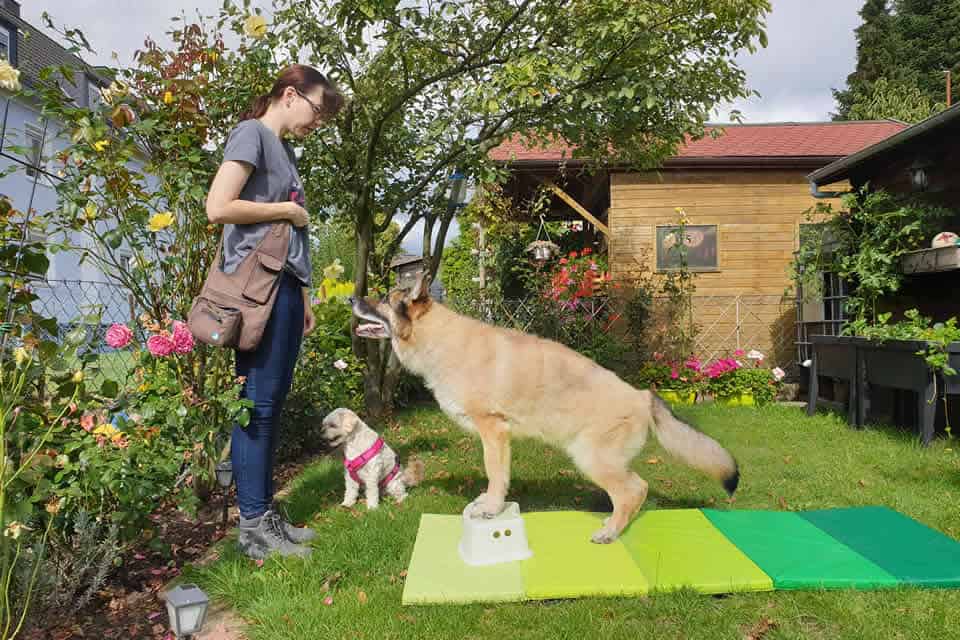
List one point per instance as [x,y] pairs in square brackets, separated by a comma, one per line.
[367,460]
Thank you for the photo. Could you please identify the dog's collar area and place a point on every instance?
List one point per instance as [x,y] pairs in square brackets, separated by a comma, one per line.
[357,463]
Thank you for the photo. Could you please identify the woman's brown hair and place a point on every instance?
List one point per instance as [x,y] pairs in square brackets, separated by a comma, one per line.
[304,79]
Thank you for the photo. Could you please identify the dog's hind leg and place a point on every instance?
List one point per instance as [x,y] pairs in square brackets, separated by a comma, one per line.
[495,437]
[609,469]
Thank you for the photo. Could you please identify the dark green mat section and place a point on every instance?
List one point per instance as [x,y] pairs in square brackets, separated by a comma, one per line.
[796,554]
[910,551]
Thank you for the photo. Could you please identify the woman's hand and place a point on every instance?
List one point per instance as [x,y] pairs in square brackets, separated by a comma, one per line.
[309,320]
[297,214]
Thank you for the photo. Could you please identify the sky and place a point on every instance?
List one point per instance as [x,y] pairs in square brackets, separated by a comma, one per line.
[811,49]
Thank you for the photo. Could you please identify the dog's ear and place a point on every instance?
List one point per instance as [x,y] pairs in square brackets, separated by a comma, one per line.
[350,422]
[421,287]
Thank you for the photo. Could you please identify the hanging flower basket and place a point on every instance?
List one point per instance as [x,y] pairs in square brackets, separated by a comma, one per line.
[542,250]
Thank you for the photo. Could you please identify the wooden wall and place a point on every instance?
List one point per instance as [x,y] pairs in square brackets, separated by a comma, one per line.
[757,213]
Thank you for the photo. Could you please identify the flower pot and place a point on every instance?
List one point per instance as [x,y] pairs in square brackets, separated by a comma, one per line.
[742,400]
[677,396]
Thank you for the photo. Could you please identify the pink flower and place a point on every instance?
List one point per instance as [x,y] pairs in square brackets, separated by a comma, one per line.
[182,338]
[739,353]
[160,345]
[340,364]
[778,374]
[119,335]
[87,422]
[674,374]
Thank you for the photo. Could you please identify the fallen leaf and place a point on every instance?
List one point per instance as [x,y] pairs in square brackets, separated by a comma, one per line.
[653,460]
[761,629]
[783,503]
[862,483]
[403,574]
[787,459]
[362,597]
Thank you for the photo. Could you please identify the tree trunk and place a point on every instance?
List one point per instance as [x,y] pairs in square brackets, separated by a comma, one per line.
[382,372]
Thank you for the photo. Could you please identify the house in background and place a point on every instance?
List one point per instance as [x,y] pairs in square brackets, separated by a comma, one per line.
[70,288]
[745,193]
[405,268]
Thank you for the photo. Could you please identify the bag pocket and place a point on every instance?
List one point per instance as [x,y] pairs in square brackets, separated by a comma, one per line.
[214,324]
[262,278]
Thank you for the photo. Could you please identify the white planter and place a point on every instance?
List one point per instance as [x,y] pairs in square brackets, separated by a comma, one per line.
[495,540]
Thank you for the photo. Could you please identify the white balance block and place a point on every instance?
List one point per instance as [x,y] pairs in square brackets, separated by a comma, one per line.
[494,540]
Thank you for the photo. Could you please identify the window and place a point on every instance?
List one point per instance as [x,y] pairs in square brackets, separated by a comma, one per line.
[5,43]
[701,247]
[34,144]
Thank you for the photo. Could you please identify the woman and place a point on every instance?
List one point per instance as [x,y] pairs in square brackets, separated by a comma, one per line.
[256,186]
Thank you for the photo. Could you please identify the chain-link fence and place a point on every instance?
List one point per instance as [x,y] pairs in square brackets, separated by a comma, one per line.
[94,305]
[723,324]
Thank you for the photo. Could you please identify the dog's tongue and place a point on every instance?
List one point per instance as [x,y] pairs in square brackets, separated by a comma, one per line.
[369,330]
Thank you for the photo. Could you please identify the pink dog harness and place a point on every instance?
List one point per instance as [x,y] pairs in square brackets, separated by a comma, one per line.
[357,463]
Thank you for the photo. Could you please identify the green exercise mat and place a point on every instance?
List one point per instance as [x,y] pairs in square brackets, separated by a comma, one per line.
[707,550]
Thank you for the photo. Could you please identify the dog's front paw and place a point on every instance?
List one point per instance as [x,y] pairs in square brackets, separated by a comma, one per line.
[348,503]
[485,506]
[372,504]
[606,535]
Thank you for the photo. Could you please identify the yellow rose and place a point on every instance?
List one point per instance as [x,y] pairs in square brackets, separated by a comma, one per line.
[160,221]
[106,430]
[9,77]
[255,26]
[21,355]
[90,211]
[167,97]
[334,270]
[100,145]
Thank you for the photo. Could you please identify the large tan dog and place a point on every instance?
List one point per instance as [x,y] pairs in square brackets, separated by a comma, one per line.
[499,383]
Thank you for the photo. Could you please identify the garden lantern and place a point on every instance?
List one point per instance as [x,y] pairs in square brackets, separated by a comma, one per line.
[187,608]
[458,189]
[224,474]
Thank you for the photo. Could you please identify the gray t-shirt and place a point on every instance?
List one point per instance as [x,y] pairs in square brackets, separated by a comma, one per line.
[274,179]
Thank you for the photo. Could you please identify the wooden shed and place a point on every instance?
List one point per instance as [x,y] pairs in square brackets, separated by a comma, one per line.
[745,193]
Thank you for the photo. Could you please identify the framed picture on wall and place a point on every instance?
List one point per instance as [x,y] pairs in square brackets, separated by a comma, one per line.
[701,247]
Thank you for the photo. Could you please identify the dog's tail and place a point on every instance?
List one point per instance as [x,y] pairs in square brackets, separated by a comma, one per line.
[414,472]
[694,448]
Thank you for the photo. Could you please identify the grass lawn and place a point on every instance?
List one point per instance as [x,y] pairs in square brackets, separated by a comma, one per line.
[788,461]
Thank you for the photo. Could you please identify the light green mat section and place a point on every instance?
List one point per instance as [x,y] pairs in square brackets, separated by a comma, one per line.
[565,564]
[438,574]
[678,548]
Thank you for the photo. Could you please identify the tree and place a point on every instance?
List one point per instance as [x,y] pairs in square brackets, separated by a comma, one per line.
[889,100]
[434,86]
[909,43]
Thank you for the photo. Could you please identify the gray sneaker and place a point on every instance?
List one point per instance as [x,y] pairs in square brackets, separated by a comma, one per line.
[296,535]
[268,537]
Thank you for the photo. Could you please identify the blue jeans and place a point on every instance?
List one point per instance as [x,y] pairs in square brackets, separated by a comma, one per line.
[269,373]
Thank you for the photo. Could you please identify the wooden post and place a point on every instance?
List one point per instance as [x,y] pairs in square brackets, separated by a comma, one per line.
[576,206]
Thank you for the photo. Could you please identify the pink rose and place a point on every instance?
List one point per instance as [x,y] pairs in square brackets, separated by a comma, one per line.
[160,345]
[119,335]
[182,338]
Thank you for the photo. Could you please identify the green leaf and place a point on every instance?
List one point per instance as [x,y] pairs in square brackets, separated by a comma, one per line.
[109,388]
